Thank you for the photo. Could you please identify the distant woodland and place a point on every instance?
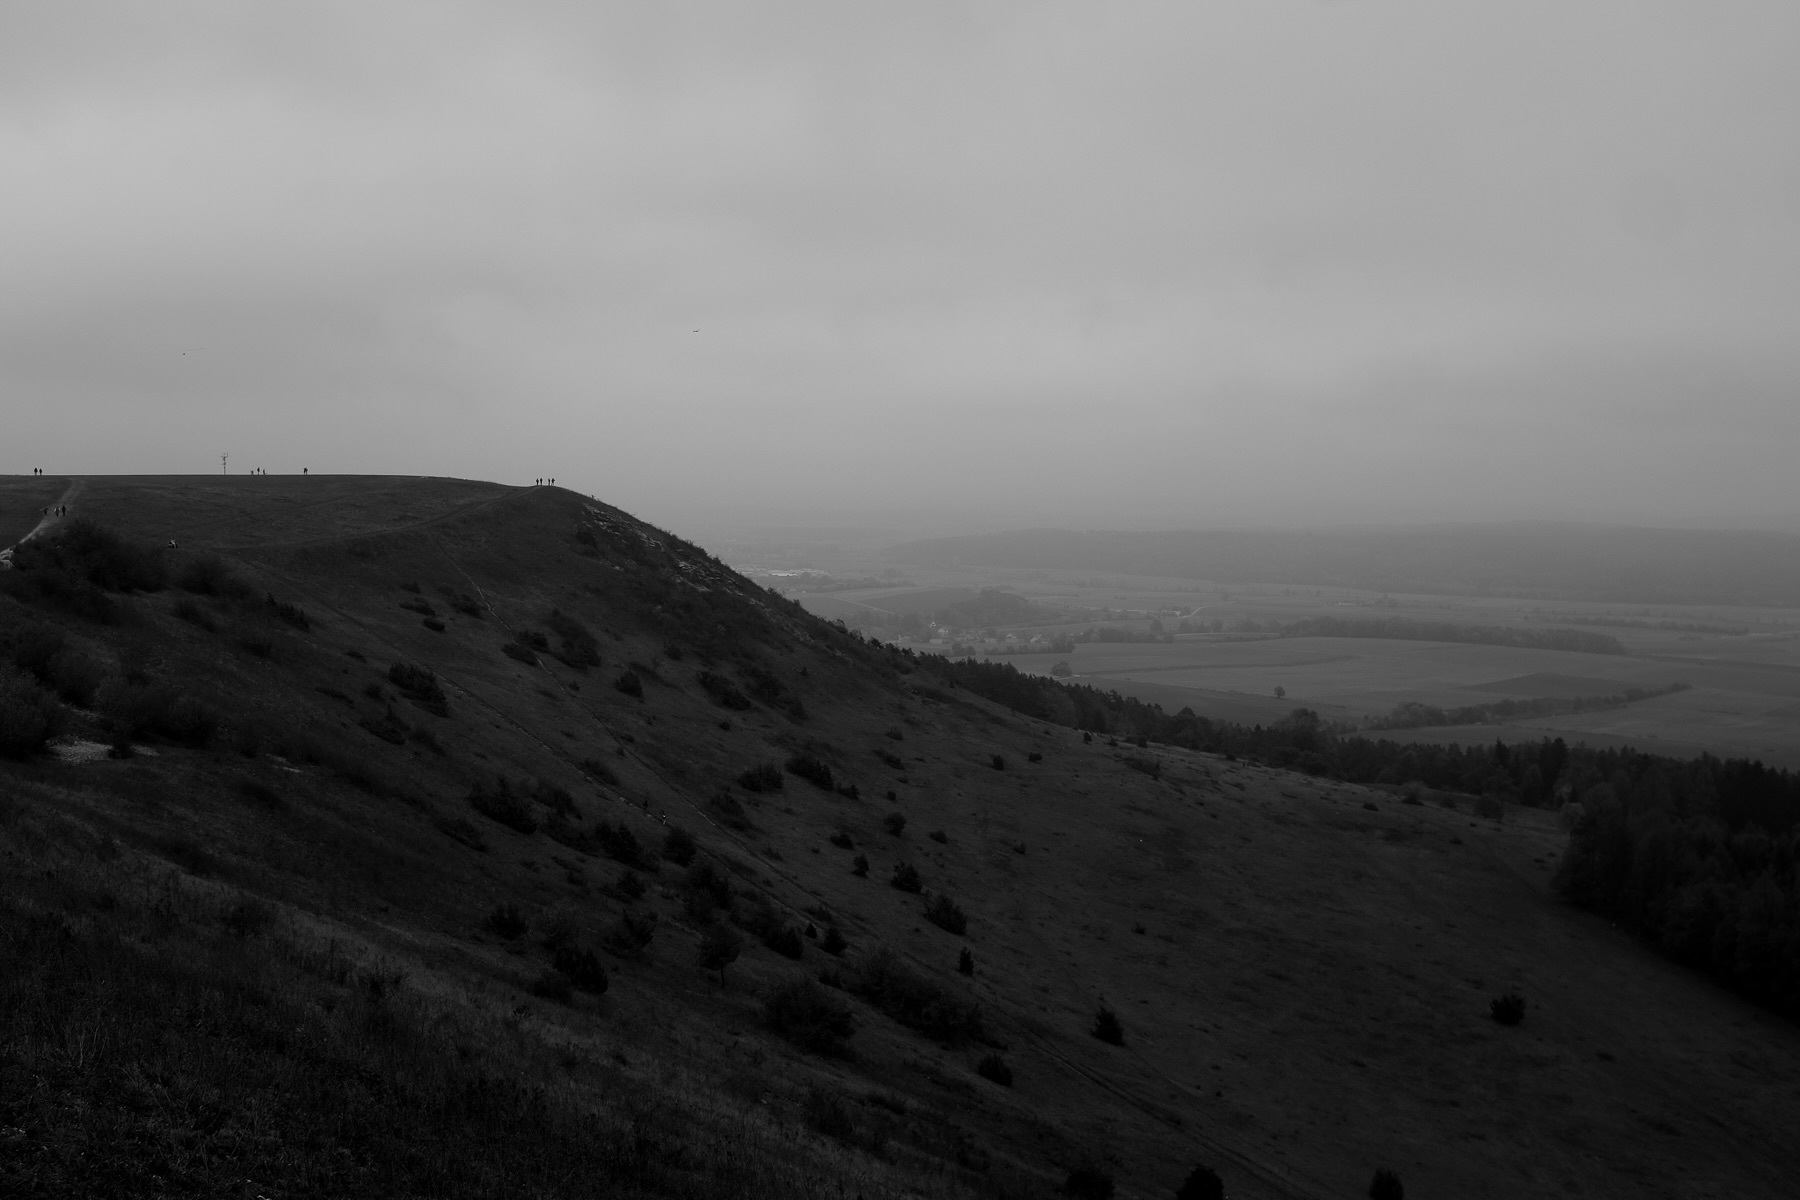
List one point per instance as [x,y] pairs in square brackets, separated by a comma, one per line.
[1700,857]
[1533,560]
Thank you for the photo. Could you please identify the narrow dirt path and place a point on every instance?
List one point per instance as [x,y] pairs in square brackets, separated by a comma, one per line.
[52,518]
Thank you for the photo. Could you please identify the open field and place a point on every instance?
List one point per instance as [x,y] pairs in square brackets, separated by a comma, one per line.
[1744,685]
[1302,969]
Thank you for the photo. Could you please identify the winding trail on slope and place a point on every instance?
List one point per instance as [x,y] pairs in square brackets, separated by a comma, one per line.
[51,520]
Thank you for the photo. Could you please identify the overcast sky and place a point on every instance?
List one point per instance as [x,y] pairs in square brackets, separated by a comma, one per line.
[1201,263]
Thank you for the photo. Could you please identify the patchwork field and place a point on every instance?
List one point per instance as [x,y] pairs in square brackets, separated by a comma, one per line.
[1741,665]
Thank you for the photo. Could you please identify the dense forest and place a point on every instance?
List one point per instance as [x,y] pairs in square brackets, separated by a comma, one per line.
[1701,857]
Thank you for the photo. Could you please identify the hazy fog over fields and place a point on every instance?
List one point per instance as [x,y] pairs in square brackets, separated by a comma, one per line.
[1138,265]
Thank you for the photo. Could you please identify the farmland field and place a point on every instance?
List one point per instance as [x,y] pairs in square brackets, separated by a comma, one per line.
[1741,666]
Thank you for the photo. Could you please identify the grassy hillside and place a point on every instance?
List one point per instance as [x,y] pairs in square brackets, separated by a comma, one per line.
[272,924]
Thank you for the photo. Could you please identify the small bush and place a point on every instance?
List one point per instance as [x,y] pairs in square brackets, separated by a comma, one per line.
[502,805]
[582,969]
[1034,756]
[28,716]
[1508,1009]
[618,843]
[998,763]
[576,647]
[156,710]
[723,691]
[1202,1183]
[829,1115]
[807,1015]
[913,1000]
[600,771]
[706,891]
[507,921]
[433,624]
[894,823]
[631,934]
[1106,1027]
[833,942]
[994,1068]
[1386,1186]
[965,962]
[1089,1181]
[631,885]
[810,769]
[460,829]
[946,915]
[519,653]
[784,940]
[630,685]
[552,984]
[842,841]
[764,777]
[906,879]
[207,575]
[288,614]
[679,847]
[729,810]
[186,610]
[420,685]
[1490,806]
[719,948]
[939,836]
[859,865]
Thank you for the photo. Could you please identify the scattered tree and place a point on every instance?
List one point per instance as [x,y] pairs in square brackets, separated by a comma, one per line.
[1107,1028]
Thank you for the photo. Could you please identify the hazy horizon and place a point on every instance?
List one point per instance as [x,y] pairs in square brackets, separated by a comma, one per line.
[973,267]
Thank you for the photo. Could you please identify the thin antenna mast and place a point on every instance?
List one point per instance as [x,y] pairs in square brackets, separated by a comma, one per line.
[222,459]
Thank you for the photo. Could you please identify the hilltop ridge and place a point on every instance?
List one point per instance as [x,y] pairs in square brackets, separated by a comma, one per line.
[443,739]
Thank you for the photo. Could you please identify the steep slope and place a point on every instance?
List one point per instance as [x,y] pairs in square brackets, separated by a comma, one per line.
[1302,970]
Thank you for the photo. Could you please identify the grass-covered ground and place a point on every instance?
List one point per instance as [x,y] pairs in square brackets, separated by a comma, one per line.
[271,962]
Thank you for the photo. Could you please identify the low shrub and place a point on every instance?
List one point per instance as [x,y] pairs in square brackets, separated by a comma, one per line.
[576,647]
[552,984]
[859,865]
[1034,756]
[998,763]
[729,810]
[1089,1181]
[678,846]
[156,710]
[419,685]
[507,921]
[1202,1183]
[598,770]
[809,1016]
[28,716]
[186,610]
[288,614]
[833,942]
[1144,765]
[631,934]
[618,843]
[947,915]
[906,879]
[1386,1186]
[460,829]
[965,962]
[631,885]
[842,841]
[916,1002]
[993,1067]
[784,940]
[519,653]
[719,948]
[894,823]
[207,575]
[939,836]
[764,777]
[630,685]
[1490,806]
[1106,1027]
[892,760]
[556,798]
[723,691]
[705,891]
[582,969]
[810,769]
[499,803]
[1508,1009]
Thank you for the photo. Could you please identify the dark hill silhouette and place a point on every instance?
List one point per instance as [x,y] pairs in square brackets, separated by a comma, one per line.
[430,863]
